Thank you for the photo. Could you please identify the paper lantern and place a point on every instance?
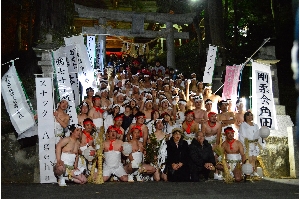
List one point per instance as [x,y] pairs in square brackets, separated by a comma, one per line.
[247,168]
[127,148]
[87,153]
[264,132]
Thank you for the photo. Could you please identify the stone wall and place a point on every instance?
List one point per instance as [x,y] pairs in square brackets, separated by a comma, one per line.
[18,165]
[274,160]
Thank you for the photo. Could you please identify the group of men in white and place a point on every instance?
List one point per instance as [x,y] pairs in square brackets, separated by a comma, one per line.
[140,113]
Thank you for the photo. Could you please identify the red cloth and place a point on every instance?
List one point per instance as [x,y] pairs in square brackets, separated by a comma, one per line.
[230,143]
[188,129]
[111,147]
[98,109]
[88,136]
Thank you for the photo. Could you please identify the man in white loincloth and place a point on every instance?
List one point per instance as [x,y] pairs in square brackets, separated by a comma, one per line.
[61,119]
[96,113]
[112,156]
[67,158]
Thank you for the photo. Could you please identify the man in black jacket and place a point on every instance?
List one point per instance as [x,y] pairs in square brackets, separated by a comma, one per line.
[202,159]
[177,161]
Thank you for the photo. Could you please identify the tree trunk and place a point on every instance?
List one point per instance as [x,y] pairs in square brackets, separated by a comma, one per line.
[215,14]
[235,29]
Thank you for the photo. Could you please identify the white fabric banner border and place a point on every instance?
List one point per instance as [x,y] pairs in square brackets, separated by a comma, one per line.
[45,129]
[263,104]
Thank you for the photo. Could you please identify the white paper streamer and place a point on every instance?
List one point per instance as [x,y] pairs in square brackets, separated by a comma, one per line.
[210,64]
[15,102]
[45,129]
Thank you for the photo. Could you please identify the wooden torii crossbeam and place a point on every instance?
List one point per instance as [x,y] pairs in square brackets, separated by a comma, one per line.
[137,28]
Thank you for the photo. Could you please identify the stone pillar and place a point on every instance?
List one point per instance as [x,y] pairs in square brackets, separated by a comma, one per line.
[170,45]
[101,44]
[293,144]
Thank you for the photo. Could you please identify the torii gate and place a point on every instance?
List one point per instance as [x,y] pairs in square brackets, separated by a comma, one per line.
[137,28]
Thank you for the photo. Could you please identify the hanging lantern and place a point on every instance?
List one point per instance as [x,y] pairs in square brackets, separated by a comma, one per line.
[264,132]
[127,148]
[247,168]
[87,153]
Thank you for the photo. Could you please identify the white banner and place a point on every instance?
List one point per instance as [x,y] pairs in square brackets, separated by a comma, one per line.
[210,64]
[85,70]
[64,85]
[91,49]
[100,55]
[45,129]
[262,96]
[70,52]
[15,102]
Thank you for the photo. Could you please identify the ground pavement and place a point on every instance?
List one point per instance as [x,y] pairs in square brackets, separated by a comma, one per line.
[265,188]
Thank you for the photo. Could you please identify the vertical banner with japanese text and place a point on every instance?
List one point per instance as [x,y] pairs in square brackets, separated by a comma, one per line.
[100,54]
[91,49]
[70,52]
[15,101]
[85,70]
[210,64]
[263,104]
[64,85]
[44,98]
[231,82]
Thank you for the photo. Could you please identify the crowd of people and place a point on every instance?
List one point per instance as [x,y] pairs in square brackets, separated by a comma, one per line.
[175,128]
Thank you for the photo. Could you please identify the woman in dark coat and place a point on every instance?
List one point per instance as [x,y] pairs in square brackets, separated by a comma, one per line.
[202,159]
[177,160]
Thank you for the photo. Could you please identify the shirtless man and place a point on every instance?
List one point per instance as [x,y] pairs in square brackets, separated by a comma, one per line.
[200,114]
[212,132]
[112,157]
[190,126]
[86,140]
[118,120]
[148,108]
[167,91]
[96,113]
[120,97]
[105,102]
[239,115]
[208,105]
[140,119]
[207,94]
[165,107]
[84,109]
[226,118]
[67,157]
[136,166]
[234,152]
[89,97]
[61,119]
